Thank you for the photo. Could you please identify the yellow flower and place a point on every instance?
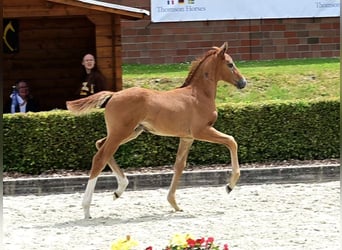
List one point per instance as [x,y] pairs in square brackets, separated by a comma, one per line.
[124,244]
[180,240]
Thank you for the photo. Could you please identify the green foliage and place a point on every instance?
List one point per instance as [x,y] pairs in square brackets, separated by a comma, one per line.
[285,130]
[36,142]
[289,79]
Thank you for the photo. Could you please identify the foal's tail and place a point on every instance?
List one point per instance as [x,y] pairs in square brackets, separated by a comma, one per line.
[84,105]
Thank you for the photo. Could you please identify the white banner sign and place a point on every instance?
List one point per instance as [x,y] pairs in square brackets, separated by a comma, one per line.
[199,10]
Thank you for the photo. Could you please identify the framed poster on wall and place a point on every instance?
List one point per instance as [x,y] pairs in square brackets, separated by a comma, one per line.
[10,36]
[204,10]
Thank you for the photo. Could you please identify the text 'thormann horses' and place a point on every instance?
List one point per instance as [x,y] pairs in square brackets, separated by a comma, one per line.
[188,112]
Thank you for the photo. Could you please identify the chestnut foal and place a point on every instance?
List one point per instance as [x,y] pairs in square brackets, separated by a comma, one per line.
[188,112]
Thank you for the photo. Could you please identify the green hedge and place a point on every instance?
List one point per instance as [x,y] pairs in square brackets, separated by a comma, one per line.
[36,142]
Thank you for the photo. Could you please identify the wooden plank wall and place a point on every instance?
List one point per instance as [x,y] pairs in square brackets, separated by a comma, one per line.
[117,50]
[53,39]
[105,33]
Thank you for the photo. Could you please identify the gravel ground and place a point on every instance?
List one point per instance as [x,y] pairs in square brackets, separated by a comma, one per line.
[270,216]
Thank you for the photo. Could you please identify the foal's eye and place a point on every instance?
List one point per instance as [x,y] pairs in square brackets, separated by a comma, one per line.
[230,65]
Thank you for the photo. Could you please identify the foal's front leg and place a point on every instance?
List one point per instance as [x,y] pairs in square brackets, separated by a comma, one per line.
[210,134]
[182,155]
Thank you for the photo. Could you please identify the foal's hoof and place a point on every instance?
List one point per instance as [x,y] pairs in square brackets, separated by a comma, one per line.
[228,189]
[87,216]
[115,196]
[86,212]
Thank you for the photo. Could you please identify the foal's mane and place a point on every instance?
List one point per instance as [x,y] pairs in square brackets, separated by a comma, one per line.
[195,65]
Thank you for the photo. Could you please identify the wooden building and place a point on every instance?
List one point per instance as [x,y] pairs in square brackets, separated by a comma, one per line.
[45,41]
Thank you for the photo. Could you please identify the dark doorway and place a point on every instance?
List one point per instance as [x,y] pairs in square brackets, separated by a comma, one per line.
[51,50]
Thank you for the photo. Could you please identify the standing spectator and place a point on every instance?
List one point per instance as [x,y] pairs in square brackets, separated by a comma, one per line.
[92,79]
[21,99]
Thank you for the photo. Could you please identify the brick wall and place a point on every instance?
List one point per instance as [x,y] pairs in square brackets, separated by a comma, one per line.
[150,43]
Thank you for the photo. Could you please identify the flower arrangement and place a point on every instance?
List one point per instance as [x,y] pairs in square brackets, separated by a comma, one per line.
[178,242]
[187,242]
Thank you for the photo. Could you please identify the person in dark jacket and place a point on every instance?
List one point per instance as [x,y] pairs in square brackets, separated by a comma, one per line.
[92,79]
[24,101]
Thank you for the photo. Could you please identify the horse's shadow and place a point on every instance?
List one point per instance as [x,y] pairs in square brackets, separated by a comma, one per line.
[115,220]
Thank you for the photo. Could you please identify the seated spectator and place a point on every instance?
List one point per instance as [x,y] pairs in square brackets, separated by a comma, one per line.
[21,99]
[92,79]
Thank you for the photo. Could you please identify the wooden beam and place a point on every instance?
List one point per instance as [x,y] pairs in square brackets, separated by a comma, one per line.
[117,52]
[86,5]
[40,11]
[104,49]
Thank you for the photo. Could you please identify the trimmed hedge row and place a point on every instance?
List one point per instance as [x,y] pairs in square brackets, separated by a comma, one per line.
[36,142]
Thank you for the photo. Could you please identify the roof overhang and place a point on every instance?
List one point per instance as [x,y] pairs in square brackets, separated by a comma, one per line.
[124,11]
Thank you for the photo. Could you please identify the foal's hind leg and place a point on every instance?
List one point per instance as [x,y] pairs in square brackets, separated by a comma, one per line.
[182,155]
[119,174]
[88,194]
[87,197]
[100,159]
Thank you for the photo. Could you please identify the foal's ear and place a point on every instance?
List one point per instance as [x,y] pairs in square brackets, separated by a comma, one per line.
[224,46]
[223,49]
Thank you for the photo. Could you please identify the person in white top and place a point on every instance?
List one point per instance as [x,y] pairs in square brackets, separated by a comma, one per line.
[21,99]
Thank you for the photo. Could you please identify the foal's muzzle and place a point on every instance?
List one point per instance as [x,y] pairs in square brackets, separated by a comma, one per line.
[240,84]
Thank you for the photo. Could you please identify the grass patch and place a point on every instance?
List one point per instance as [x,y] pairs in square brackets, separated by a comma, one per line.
[267,80]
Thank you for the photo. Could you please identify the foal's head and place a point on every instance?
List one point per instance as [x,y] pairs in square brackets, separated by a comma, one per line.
[226,69]
[218,62]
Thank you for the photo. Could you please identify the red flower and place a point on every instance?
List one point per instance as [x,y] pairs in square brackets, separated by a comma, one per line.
[225,247]
[210,241]
[199,242]
[191,242]
[149,248]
